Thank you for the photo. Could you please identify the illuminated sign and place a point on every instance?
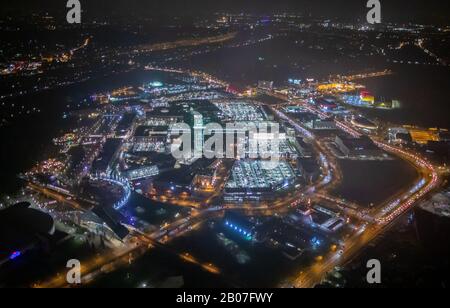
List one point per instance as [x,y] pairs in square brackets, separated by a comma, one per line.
[295,81]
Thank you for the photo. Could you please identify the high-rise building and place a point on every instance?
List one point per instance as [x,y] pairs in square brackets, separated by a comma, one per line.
[198,135]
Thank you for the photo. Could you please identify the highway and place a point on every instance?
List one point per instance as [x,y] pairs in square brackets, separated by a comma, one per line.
[383,218]
[55,195]
[140,243]
[377,222]
[135,247]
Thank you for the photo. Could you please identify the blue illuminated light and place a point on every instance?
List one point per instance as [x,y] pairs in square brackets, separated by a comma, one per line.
[156,84]
[295,81]
[15,255]
[245,233]
[315,242]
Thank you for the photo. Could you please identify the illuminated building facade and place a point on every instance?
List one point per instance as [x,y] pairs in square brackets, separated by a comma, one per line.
[198,135]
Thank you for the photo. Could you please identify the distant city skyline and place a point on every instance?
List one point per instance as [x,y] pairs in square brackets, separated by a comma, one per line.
[419,11]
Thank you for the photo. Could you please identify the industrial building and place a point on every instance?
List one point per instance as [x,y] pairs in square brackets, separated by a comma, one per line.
[164,116]
[321,124]
[238,111]
[103,163]
[256,180]
[239,224]
[362,147]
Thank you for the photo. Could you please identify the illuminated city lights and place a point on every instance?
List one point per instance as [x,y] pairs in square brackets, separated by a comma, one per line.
[215,146]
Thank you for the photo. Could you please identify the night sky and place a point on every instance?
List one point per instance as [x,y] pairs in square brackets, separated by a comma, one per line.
[432,11]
